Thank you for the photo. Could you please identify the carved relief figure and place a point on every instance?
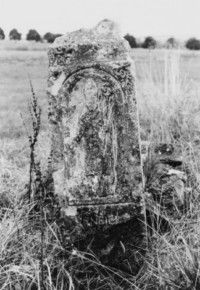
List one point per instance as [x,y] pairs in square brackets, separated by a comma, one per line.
[91,92]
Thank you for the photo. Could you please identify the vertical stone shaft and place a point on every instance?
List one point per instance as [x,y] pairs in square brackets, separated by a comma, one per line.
[94,123]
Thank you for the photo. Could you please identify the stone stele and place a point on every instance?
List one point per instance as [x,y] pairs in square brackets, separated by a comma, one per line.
[94,125]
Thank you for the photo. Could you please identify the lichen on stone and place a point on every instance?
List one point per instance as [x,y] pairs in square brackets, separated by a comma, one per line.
[93,115]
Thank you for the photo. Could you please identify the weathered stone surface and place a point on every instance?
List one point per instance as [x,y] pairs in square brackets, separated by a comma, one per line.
[165,179]
[93,116]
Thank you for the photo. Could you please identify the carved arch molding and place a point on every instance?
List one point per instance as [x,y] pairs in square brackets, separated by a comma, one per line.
[100,136]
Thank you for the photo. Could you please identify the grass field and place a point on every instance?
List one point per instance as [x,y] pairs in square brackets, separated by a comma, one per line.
[168,94]
[21,61]
[16,69]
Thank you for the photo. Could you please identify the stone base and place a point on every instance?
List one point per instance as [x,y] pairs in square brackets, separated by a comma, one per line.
[93,218]
[122,246]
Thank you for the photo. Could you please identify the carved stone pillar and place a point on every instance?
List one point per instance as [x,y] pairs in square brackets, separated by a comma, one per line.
[95,138]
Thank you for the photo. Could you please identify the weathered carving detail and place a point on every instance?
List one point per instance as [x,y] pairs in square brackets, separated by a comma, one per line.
[93,114]
[125,77]
[90,91]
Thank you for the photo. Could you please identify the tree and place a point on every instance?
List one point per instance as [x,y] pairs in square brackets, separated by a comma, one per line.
[14,35]
[149,42]
[33,35]
[2,35]
[132,40]
[171,43]
[193,44]
[50,37]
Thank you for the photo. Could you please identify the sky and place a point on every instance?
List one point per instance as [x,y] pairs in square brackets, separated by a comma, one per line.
[158,18]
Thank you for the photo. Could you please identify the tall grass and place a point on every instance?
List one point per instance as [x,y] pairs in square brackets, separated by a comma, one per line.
[169,102]
[169,112]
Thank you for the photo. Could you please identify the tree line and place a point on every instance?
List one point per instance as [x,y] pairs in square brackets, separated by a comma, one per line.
[31,35]
[149,42]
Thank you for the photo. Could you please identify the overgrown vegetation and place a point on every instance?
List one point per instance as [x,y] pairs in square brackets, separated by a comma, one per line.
[32,255]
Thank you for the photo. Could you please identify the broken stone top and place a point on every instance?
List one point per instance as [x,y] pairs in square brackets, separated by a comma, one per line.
[106,30]
[102,43]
